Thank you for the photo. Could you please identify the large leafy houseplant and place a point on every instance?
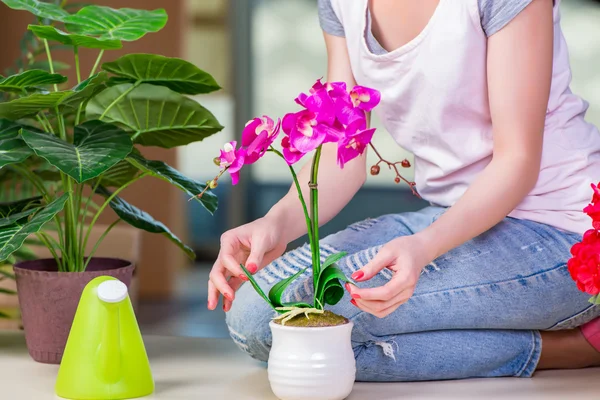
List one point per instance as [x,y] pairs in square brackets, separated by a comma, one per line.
[87,137]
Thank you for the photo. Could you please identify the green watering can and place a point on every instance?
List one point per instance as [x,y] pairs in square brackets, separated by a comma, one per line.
[105,358]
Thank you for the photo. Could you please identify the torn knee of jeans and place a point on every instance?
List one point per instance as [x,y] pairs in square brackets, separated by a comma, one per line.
[389,347]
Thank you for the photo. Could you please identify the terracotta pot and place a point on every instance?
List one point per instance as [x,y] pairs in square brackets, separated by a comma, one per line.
[49,299]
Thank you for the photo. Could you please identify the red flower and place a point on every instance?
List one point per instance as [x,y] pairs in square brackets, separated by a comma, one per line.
[584,266]
[593,210]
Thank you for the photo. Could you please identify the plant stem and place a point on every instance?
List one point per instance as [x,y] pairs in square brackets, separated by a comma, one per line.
[97,62]
[45,239]
[106,232]
[42,123]
[35,180]
[314,209]
[49,55]
[299,190]
[77,70]
[85,211]
[125,93]
[47,123]
[106,203]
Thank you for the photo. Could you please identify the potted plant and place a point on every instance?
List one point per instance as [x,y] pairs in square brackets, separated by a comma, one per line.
[317,340]
[88,138]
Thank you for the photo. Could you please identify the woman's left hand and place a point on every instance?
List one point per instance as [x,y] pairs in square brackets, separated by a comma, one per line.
[405,256]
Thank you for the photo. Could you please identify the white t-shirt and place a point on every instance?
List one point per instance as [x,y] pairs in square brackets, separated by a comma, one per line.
[435,105]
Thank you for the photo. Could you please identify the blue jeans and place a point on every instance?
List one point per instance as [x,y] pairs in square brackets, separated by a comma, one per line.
[476,312]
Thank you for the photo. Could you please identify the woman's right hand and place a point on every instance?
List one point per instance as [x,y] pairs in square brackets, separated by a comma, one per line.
[253,245]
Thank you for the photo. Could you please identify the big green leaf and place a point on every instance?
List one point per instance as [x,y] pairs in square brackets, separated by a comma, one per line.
[31,105]
[119,174]
[73,39]
[13,149]
[45,65]
[85,90]
[174,73]
[329,289]
[13,212]
[96,147]
[142,220]
[167,173]
[277,291]
[156,116]
[38,8]
[123,24]
[29,80]
[13,236]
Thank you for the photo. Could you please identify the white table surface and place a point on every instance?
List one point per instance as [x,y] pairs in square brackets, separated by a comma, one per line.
[192,368]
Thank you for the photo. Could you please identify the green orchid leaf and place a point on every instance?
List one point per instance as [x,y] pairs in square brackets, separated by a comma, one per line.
[97,146]
[13,149]
[297,305]
[84,91]
[174,73]
[332,259]
[329,289]
[256,286]
[72,39]
[29,80]
[38,8]
[123,24]
[142,220]
[169,174]
[29,106]
[13,236]
[277,291]
[155,115]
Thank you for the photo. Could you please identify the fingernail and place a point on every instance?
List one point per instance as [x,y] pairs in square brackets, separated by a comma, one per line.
[347,287]
[357,275]
[228,296]
[243,277]
[226,307]
[252,268]
[355,296]
[353,302]
[209,306]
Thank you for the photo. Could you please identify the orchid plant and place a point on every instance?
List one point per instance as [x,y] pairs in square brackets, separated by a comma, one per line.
[330,114]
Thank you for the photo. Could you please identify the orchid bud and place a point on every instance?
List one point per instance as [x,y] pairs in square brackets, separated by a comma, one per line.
[213,184]
[375,170]
[397,180]
[217,161]
[406,164]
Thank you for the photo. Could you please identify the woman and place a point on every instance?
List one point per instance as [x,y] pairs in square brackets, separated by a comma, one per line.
[475,285]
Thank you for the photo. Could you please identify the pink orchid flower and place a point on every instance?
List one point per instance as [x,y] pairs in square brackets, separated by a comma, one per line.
[354,142]
[290,154]
[232,159]
[365,98]
[258,135]
[306,133]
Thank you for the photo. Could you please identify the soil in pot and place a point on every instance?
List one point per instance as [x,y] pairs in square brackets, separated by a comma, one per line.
[327,319]
[49,299]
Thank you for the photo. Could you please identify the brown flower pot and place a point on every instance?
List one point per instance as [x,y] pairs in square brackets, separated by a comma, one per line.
[49,299]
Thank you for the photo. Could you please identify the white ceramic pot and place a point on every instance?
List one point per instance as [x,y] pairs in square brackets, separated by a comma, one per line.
[311,363]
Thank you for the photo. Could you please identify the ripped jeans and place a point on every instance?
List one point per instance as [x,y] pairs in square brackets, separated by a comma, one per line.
[476,312]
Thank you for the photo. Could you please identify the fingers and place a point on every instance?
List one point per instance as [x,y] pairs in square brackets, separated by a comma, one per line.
[219,282]
[382,309]
[257,252]
[382,260]
[235,284]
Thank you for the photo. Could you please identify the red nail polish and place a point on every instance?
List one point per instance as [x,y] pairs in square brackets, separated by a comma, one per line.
[347,287]
[252,268]
[353,302]
[356,296]
[243,277]
[357,275]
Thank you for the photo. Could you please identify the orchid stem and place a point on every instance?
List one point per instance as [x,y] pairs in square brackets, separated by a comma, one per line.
[314,208]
